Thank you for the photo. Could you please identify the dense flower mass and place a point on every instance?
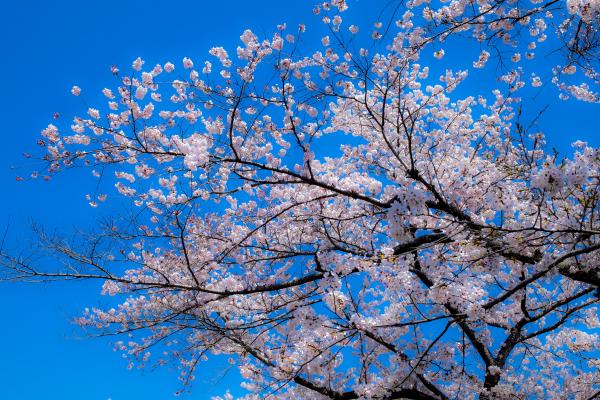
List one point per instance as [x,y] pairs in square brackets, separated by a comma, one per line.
[348,224]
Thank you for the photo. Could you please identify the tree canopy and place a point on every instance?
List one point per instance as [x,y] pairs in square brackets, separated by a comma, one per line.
[342,221]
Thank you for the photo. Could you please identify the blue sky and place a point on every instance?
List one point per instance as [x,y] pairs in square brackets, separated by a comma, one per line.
[46,48]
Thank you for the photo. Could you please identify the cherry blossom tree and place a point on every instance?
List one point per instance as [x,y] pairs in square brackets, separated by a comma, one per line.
[342,222]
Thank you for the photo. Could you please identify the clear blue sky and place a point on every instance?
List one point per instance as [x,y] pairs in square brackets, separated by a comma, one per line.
[46,48]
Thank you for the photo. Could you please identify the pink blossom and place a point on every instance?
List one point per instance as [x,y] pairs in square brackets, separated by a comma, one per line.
[187,63]
[169,67]
[137,64]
